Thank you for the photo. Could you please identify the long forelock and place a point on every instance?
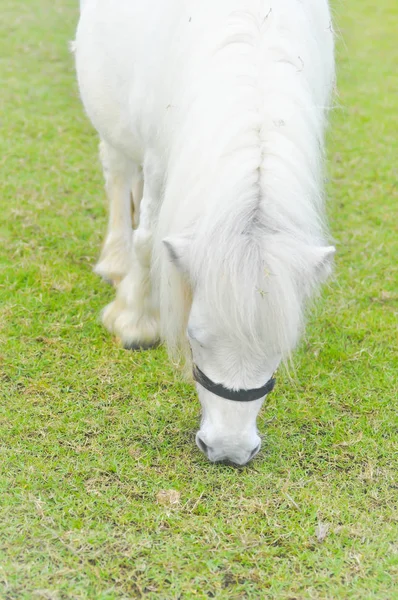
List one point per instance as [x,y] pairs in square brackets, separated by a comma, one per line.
[246,282]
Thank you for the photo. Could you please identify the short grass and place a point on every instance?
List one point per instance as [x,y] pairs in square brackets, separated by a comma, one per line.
[90,434]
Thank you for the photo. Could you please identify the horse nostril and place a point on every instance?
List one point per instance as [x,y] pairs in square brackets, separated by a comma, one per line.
[204,447]
[255,451]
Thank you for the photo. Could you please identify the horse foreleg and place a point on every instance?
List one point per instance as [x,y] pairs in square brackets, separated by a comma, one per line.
[133,316]
[122,180]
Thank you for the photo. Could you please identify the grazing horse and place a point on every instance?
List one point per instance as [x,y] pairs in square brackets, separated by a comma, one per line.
[211,116]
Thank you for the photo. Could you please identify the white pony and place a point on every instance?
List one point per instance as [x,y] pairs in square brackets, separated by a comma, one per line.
[211,115]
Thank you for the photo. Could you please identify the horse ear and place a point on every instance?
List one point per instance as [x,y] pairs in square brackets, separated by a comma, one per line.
[177,249]
[323,261]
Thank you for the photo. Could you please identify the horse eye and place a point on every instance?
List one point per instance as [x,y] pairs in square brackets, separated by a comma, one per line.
[196,336]
[191,333]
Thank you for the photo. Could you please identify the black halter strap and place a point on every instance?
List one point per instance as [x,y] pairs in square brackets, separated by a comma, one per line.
[236,395]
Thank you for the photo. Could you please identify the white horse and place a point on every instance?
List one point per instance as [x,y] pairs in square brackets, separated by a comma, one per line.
[211,115]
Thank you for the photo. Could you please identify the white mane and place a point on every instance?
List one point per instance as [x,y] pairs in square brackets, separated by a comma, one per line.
[250,206]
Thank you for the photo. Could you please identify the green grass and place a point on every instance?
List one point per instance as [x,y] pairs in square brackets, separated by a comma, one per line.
[90,434]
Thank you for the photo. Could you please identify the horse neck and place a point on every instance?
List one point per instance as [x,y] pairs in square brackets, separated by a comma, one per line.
[249,113]
[274,168]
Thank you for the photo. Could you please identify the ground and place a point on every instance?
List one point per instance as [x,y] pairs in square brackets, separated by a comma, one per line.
[103,494]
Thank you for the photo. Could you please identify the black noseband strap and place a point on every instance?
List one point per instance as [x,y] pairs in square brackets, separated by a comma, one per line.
[236,395]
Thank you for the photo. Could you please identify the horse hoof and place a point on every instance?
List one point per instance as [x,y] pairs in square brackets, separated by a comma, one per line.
[139,346]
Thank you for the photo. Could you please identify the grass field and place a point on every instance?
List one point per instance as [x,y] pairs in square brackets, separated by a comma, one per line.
[91,435]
